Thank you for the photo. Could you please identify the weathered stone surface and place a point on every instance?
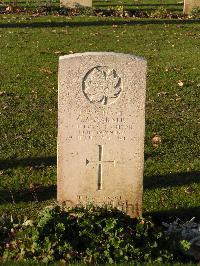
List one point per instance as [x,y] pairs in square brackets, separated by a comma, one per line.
[74,3]
[189,5]
[101,123]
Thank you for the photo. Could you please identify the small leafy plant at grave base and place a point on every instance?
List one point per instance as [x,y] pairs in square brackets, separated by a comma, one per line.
[77,11]
[196,13]
[119,11]
[85,11]
[161,12]
[91,235]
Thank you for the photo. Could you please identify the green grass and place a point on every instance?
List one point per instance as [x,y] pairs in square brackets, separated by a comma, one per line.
[30,48]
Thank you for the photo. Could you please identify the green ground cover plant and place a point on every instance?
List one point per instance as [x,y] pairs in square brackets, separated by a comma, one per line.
[89,235]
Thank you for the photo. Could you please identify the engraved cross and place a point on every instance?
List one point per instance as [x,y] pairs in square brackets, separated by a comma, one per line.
[100,163]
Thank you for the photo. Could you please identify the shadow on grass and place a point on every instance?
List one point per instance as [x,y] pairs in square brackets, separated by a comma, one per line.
[28,162]
[96,23]
[174,179]
[109,4]
[154,181]
[172,214]
[37,194]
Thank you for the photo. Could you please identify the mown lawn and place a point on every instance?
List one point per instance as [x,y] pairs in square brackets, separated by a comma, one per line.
[29,51]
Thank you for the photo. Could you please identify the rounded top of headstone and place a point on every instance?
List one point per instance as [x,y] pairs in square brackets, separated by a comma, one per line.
[102,54]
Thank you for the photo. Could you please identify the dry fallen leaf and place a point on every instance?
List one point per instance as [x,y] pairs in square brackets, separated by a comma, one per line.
[162,93]
[57,52]
[189,190]
[45,70]
[2,93]
[180,83]
[9,9]
[155,145]
[156,141]
[178,99]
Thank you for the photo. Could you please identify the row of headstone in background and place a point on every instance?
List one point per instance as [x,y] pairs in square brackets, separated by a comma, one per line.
[101,126]
[188,4]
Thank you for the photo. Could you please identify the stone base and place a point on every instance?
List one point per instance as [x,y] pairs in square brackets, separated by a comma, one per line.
[133,209]
[74,3]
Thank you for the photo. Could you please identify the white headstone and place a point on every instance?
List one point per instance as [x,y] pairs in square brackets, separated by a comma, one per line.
[101,123]
[76,3]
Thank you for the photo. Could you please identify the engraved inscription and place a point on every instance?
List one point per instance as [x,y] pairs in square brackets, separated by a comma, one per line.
[102,85]
[111,126]
[111,202]
[100,162]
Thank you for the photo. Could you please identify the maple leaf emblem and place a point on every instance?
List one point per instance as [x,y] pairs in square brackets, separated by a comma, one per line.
[102,85]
